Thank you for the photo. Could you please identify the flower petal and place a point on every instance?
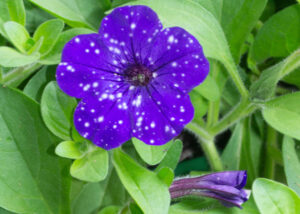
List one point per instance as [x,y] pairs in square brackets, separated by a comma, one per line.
[104,118]
[227,201]
[86,66]
[177,58]
[129,31]
[236,179]
[77,80]
[159,117]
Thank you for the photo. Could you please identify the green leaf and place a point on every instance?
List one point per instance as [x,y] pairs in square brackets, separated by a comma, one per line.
[283,114]
[93,167]
[57,110]
[35,16]
[149,192]
[17,34]
[172,157]
[199,22]
[12,58]
[276,198]
[279,36]
[54,56]
[49,31]
[265,86]
[3,211]
[209,89]
[89,197]
[86,13]
[36,85]
[32,177]
[243,150]
[238,19]
[110,210]
[71,149]
[16,11]
[231,155]
[200,106]
[152,155]
[291,163]
[166,175]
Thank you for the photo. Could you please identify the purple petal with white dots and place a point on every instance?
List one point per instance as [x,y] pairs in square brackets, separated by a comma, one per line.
[159,117]
[87,66]
[130,30]
[104,118]
[177,59]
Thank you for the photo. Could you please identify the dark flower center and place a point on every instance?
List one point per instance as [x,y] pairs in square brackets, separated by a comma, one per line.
[138,75]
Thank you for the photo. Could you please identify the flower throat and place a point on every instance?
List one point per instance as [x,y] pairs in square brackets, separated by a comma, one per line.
[138,75]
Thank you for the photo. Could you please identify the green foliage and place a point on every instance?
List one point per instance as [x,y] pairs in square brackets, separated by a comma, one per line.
[279,36]
[32,178]
[291,163]
[152,155]
[140,184]
[274,197]
[48,32]
[76,13]
[36,85]
[71,149]
[12,58]
[209,89]
[93,167]
[283,114]
[57,110]
[17,34]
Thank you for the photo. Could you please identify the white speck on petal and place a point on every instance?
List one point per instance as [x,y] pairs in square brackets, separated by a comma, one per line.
[171,39]
[152,125]
[132,26]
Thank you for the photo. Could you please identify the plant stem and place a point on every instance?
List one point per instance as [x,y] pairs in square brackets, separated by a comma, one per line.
[232,70]
[243,109]
[214,106]
[271,141]
[208,146]
[18,75]
[213,113]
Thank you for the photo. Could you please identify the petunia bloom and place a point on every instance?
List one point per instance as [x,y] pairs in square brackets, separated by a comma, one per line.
[133,78]
[226,187]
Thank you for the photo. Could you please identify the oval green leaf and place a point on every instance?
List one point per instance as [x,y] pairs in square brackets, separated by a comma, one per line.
[279,36]
[152,155]
[93,167]
[283,114]
[17,34]
[11,58]
[145,187]
[49,31]
[57,110]
[276,198]
[71,149]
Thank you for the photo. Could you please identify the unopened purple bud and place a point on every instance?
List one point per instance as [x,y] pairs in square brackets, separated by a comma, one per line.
[223,186]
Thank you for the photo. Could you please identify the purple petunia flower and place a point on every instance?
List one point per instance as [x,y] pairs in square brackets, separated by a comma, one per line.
[133,78]
[224,186]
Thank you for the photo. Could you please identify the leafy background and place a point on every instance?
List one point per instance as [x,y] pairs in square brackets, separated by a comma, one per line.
[247,112]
